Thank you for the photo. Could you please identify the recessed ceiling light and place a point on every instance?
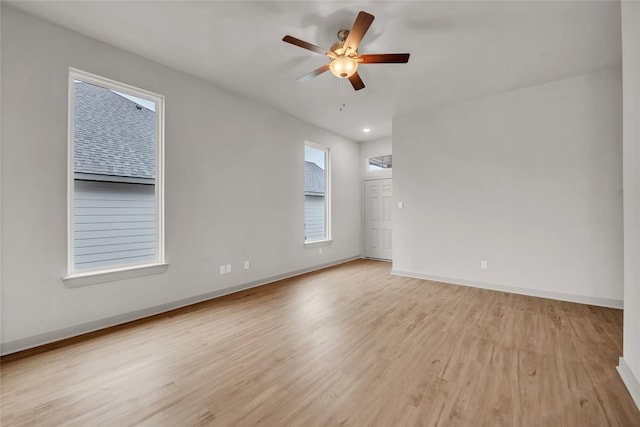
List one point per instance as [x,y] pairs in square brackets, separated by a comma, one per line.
[366,130]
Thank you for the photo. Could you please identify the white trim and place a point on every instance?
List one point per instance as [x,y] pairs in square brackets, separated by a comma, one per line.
[316,243]
[70,171]
[629,380]
[111,275]
[160,178]
[111,178]
[378,259]
[375,178]
[73,331]
[581,299]
[327,190]
[115,85]
[75,74]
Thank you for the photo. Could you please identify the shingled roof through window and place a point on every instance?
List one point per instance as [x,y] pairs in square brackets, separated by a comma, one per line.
[113,135]
[313,179]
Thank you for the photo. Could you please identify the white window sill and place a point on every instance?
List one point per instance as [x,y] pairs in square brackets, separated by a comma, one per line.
[88,278]
[317,243]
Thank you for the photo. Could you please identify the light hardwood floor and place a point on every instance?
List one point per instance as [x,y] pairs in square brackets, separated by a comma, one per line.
[351,345]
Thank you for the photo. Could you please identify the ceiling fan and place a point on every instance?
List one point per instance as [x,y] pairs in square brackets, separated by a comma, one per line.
[344,53]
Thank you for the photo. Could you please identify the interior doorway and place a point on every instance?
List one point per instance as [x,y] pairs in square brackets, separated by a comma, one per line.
[377,218]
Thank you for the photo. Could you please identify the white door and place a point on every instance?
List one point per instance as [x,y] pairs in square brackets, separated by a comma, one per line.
[377,218]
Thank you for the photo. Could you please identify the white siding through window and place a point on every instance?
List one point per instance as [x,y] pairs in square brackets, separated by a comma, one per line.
[114,224]
[314,217]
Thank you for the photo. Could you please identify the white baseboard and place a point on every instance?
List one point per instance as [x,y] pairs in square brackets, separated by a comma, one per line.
[630,381]
[582,299]
[73,331]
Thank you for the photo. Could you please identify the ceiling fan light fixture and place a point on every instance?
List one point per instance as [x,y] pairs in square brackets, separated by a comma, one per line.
[343,55]
[343,67]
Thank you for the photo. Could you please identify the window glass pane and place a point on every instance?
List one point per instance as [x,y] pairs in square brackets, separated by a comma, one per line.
[379,163]
[315,194]
[114,215]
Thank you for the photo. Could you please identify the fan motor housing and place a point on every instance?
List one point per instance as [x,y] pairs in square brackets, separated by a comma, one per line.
[338,47]
[342,35]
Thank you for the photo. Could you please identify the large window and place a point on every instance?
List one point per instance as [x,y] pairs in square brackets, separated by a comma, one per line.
[316,193]
[115,175]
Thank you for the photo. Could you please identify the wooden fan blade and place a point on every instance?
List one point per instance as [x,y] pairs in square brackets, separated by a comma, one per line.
[305,45]
[314,73]
[384,58]
[360,27]
[356,81]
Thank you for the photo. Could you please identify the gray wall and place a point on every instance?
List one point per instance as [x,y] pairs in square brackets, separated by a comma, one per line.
[529,180]
[631,130]
[225,200]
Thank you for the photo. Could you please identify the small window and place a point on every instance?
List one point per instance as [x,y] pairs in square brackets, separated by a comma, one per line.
[379,163]
[316,193]
[115,185]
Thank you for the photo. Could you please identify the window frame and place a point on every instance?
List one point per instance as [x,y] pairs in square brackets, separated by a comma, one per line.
[81,277]
[327,193]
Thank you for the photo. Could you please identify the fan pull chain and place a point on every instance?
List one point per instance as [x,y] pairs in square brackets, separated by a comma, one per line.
[343,105]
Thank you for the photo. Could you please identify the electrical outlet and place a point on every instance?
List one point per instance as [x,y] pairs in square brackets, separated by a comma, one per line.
[222,269]
[320,251]
[228,268]
[484,265]
[246,265]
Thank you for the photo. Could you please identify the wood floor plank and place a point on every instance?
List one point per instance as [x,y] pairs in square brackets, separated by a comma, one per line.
[350,345]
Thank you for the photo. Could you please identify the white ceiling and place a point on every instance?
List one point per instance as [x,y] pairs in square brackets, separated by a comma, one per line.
[459,50]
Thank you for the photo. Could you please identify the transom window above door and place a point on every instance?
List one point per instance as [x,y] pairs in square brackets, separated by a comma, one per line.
[379,163]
